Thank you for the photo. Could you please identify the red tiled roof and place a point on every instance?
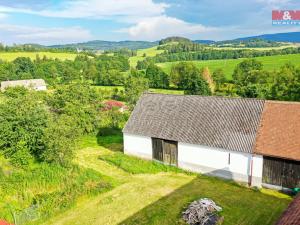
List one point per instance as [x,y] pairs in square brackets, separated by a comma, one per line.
[3,222]
[279,130]
[291,216]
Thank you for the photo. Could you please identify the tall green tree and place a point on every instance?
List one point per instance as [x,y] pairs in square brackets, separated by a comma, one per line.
[134,87]
[157,77]
[189,78]
[242,72]
[24,65]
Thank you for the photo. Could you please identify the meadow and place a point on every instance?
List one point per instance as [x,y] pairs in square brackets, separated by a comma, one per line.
[270,63]
[151,193]
[149,52]
[108,90]
[10,56]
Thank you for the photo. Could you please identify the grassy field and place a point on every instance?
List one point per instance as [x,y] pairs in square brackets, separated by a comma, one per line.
[270,63]
[147,196]
[10,56]
[290,45]
[148,51]
[155,90]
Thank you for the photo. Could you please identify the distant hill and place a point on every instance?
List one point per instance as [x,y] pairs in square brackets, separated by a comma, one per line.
[207,42]
[280,37]
[108,45]
[174,39]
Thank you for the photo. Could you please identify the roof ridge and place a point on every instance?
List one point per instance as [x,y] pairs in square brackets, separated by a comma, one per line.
[205,96]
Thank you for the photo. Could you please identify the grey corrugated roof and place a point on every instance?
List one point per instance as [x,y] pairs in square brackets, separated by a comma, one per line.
[227,123]
[26,83]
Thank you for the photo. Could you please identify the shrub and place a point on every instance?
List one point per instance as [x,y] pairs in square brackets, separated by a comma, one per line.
[21,156]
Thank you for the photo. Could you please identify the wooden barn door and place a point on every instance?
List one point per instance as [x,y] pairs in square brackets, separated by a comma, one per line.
[170,152]
[272,171]
[165,151]
[280,172]
[291,174]
[157,149]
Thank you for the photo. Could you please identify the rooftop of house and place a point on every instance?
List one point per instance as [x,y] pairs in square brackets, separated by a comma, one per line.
[27,83]
[226,123]
[235,124]
[279,131]
[291,215]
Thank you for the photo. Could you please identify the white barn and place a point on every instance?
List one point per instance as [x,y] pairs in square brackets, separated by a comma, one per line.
[34,84]
[211,135]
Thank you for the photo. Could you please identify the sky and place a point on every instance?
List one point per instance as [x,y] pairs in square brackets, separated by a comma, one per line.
[68,21]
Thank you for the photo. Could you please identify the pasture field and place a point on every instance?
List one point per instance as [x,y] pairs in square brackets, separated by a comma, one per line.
[140,52]
[289,45]
[270,63]
[10,56]
[148,193]
[155,90]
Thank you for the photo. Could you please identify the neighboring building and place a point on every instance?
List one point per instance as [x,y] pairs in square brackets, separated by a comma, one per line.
[111,104]
[291,215]
[225,137]
[34,84]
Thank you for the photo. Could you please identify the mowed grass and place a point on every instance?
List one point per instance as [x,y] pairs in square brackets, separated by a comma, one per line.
[270,63]
[150,194]
[10,56]
[150,52]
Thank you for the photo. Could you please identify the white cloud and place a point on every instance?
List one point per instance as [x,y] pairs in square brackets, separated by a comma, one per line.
[2,16]
[155,28]
[40,35]
[275,4]
[129,9]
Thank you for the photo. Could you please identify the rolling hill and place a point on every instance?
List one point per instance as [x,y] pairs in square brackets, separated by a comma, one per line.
[228,65]
[108,45]
[279,37]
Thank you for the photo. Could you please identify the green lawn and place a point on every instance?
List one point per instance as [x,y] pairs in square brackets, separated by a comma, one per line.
[10,56]
[147,196]
[228,65]
[148,51]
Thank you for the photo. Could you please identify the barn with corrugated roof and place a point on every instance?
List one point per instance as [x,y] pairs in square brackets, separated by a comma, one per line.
[246,140]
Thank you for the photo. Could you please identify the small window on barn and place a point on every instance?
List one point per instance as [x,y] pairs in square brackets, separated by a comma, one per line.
[228,158]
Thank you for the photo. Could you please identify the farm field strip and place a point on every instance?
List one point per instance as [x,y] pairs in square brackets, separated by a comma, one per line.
[228,65]
[10,56]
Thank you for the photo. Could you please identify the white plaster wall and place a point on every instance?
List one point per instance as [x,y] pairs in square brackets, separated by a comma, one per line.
[41,88]
[137,145]
[257,165]
[214,161]
[257,170]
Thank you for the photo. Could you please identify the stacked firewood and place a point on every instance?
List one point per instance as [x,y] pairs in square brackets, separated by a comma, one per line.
[202,212]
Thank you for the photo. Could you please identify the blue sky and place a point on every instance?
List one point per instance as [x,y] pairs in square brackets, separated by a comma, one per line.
[68,21]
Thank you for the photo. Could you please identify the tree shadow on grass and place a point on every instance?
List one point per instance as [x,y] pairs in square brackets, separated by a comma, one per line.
[240,205]
[110,138]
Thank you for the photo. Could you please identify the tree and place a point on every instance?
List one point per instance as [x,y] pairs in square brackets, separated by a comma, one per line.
[134,87]
[189,78]
[23,65]
[181,72]
[219,77]
[196,85]
[78,101]
[242,71]
[23,119]
[208,78]
[286,84]
[157,77]
[59,139]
